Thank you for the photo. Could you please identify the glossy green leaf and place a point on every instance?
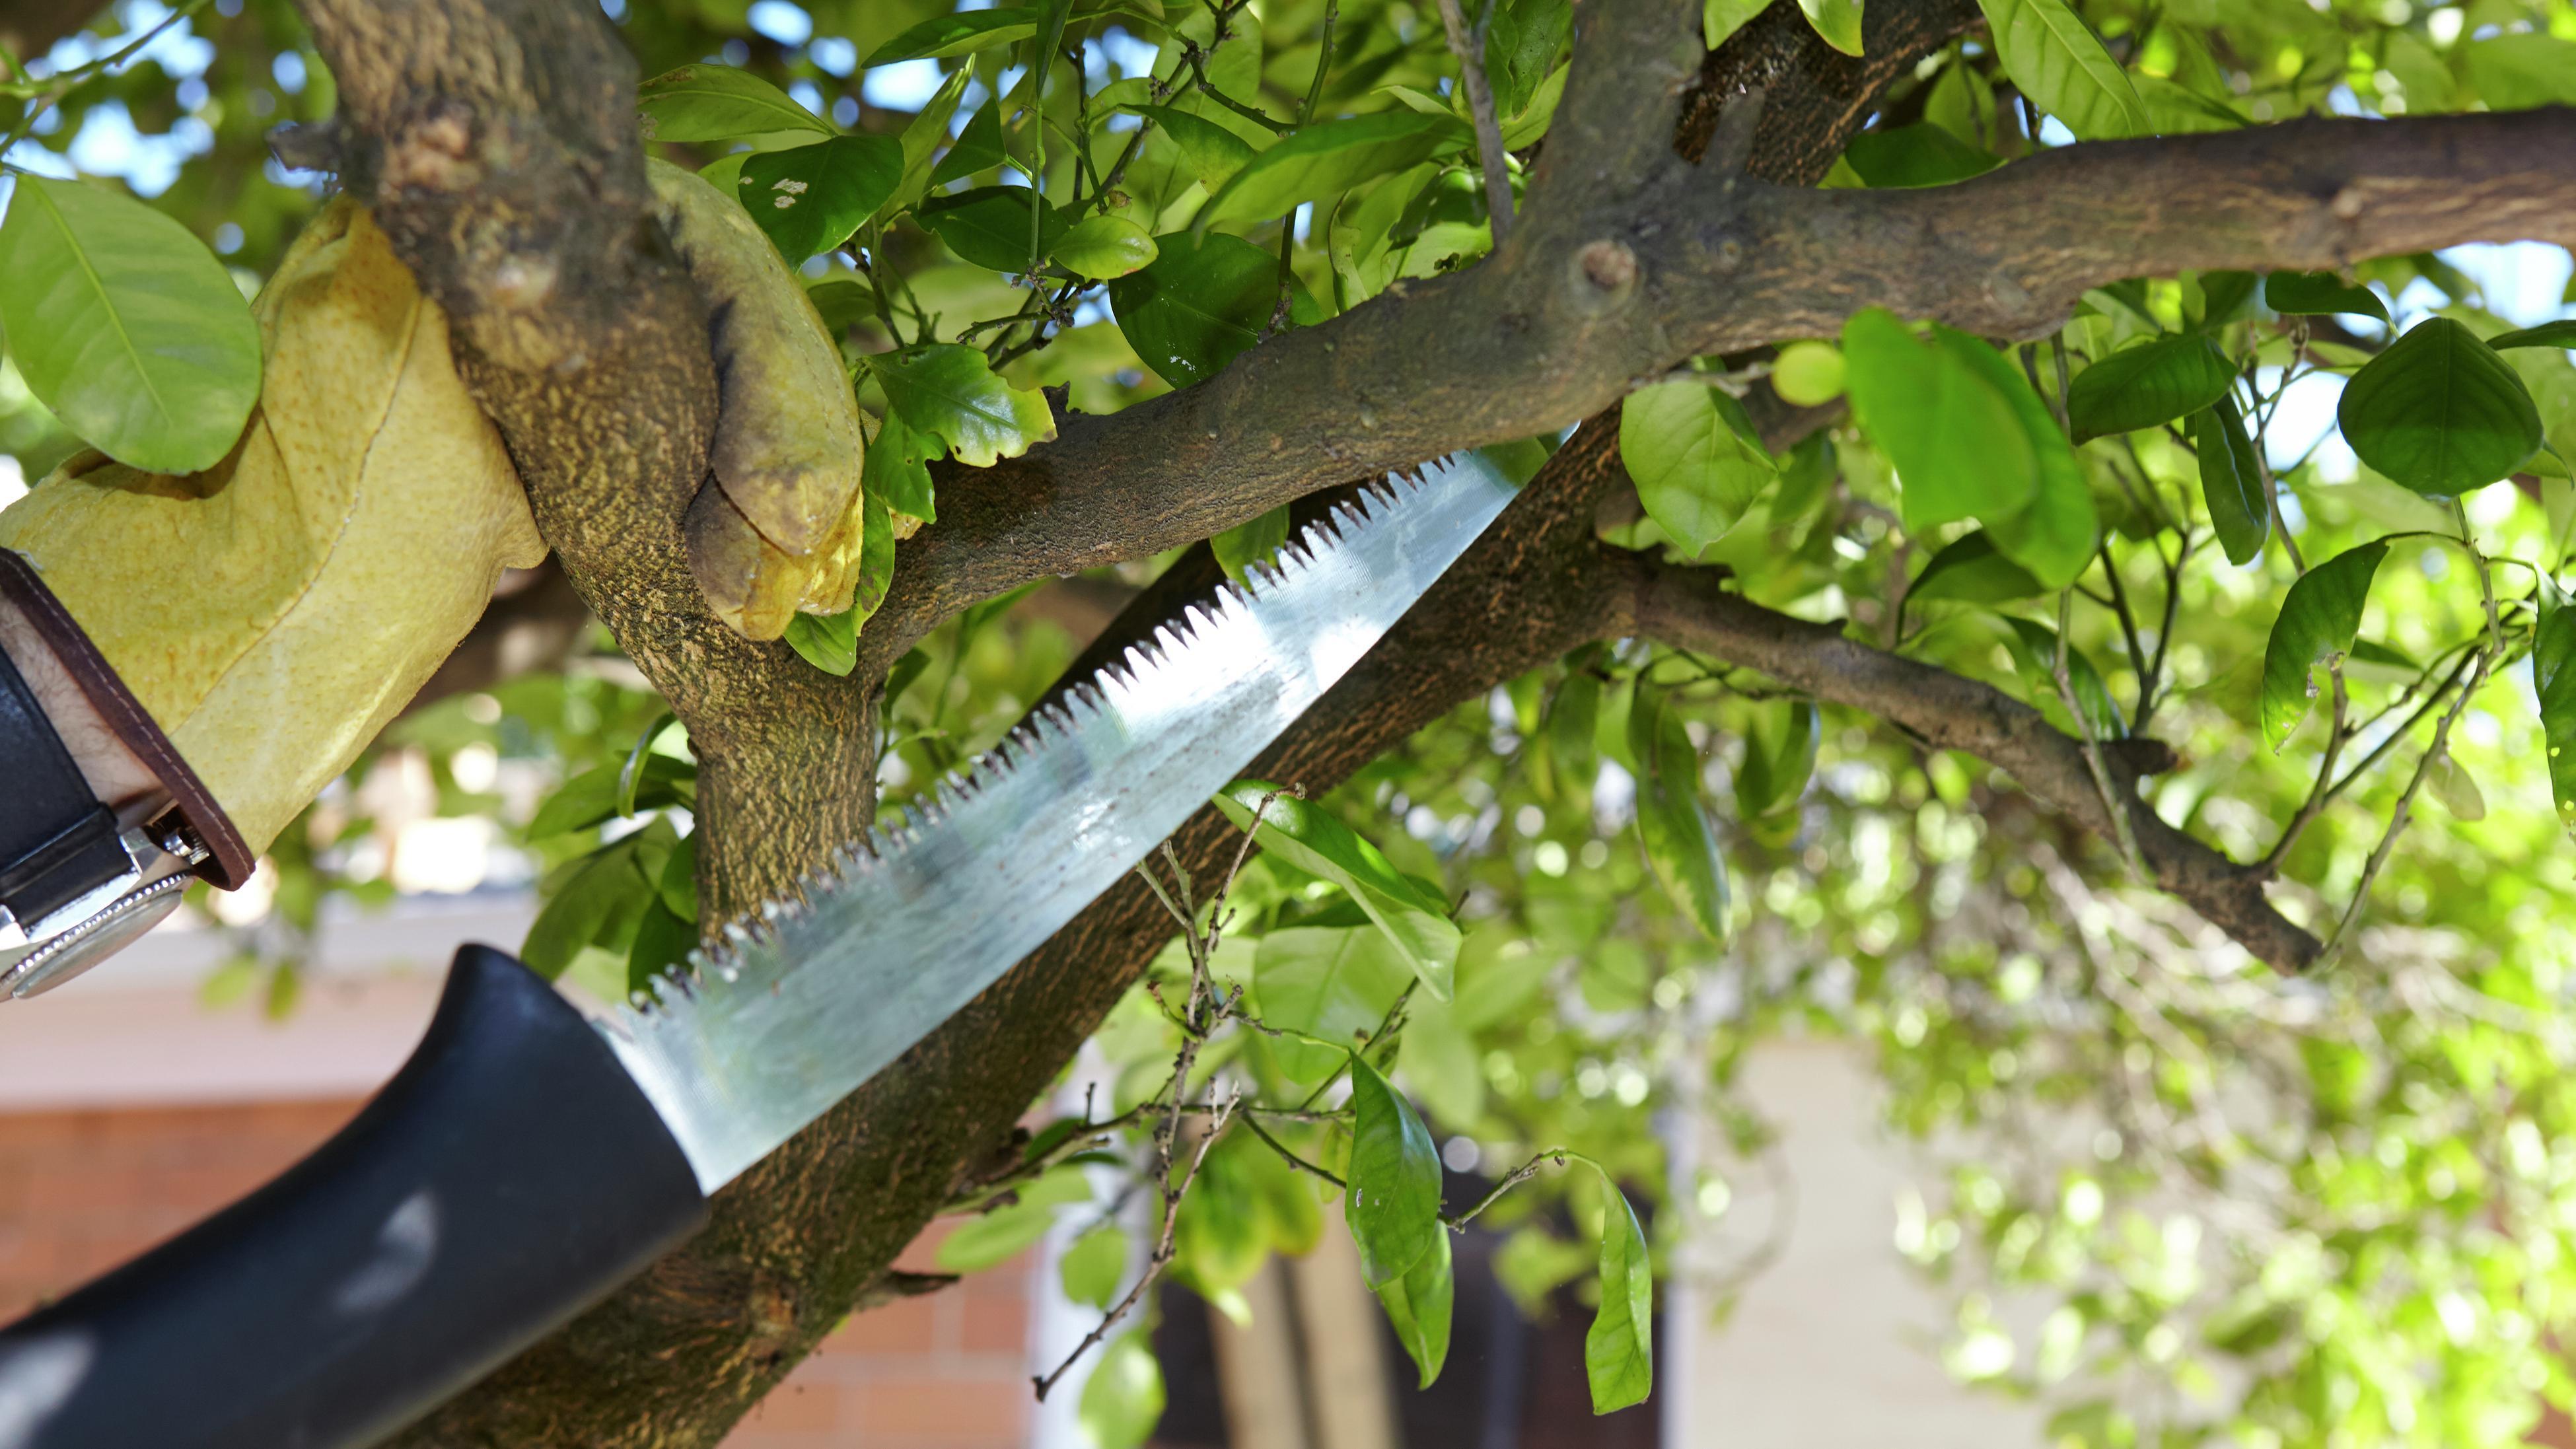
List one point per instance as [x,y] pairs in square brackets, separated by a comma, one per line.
[1722,18]
[1095,1266]
[2142,386]
[2034,650]
[591,797]
[1836,22]
[978,147]
[1328,158]
[2318,619]
[896,469]
[2561,333]
[1524,40]
[960,33]
[663,941]
[923,135]
[989,226]
[2054,534]
[1918,155]
[1213,152]
[2439,412]
[1203,301]
[2060,64]
[2234,484]
[1571,719]
[1124,1399]
[2298,294]
[1104,247]
[1671,822]
[2553,682]
[126,326]
[1013,1224]
[842,302]
[1393,1206]
[1779,759]
[601,902]
[678,885]
[829,642]
[950,392]
[718,103]
[1971,571]
[1412,913]
[1418,1306]
[810,198]
[2223,298]
[1619,1349]
[1332,983]
[1696,459]
[1253,541]
[1959,450]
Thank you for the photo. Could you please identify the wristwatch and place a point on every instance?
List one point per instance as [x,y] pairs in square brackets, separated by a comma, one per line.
[76,882]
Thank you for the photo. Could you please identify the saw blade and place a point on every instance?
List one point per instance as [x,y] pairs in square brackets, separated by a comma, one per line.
[796,1009]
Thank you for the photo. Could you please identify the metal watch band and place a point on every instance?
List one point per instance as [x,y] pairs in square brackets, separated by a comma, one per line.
[57,842]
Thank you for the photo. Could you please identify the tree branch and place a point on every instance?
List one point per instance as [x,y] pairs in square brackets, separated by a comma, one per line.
[1626,264]
[1690,608]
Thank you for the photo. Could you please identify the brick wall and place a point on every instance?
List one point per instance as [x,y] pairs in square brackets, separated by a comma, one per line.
[81,1191]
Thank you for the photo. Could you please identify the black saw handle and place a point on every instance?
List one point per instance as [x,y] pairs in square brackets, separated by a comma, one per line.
[507,1178]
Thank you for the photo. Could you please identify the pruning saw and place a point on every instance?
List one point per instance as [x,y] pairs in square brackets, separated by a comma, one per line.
[527,1159]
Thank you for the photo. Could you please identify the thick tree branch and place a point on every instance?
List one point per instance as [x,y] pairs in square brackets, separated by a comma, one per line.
[1690,608]
[1625,266]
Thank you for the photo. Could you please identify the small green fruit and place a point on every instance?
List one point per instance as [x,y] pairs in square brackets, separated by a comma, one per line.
[1808,373]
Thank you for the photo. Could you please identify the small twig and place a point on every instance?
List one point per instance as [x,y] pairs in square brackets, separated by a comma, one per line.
[1292,1159]
[2122,831]
[1469,47]
[1519,1175]
[2337,732]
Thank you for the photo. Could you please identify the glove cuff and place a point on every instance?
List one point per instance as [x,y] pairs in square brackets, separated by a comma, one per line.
[228,862]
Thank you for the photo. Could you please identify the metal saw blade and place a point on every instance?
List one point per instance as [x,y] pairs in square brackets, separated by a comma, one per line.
[793,1013]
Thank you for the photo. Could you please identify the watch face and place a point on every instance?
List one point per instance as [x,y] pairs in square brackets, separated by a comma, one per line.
[58,959]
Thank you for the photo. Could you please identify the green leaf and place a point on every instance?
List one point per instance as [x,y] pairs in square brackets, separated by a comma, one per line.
[1393,1207]
[1329,982]
[2034,648]
[1722,18]
[1254,541]
[2222,300]
[2319,617]
[663,941]
[1203,301]
[2520,72]
[1959,450]
[829,642]
[2142,386]
[718,103]
[1124,1399]
[1213,152]
[924,134]
[602,902]
[126,326]
[1836,22]
[2439,412]
[2553,681]
[1413,914]
[842,303]
[961,33]
[810,198]
[1779,759]
[2561,333]
[2457,789]
[2233,482]
[2054,535]
[2302,294]
[591,797]
[978,146]
[1696,459]
[896,469]
[678,885]
[1012,1226]
[1094,1267]
[1103,247]
[1971,571]
[1327,158]
[1671,823]
[951,393]
[989,226]
[2060,64]
[1619,1350]
[1918,155]
[1418,1305]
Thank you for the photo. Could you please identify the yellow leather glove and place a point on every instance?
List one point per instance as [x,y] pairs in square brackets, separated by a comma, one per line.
[777,528]
[272,613]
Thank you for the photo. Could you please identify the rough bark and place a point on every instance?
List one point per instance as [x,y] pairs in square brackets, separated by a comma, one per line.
[496,140]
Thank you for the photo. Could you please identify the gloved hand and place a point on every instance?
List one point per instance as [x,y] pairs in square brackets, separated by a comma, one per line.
[273,612]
